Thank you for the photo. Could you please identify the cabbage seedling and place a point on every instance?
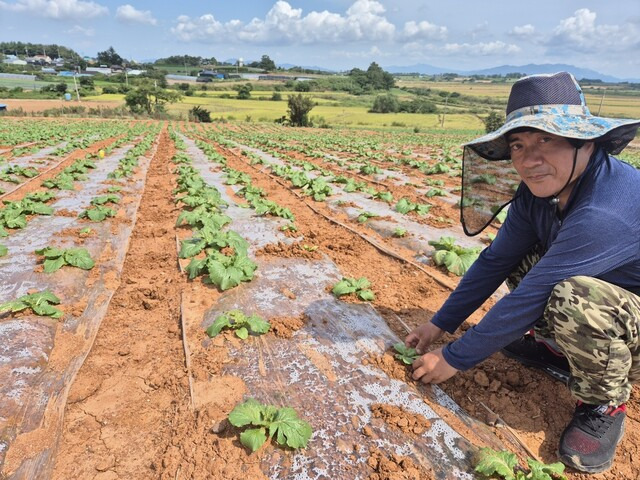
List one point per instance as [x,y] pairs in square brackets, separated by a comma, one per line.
[282,423]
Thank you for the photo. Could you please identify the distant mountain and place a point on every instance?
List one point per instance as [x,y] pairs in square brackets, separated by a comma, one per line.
[529,69]
[532,69]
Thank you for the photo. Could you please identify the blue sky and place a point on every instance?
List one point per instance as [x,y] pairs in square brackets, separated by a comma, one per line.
[341,34]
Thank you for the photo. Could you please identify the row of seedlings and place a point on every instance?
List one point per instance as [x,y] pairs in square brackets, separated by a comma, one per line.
[226,262]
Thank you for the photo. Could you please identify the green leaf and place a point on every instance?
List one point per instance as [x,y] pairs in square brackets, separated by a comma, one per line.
[540,471]
[191,247]
[257,324]
[196,267]
[247,266]
[406,354]
[46,309]
[53,264]
[443,243]
[253,438]
[41,297]
[3,250]
[50,252]
[493,462]
[290,430]
[99,213]
[247,413]
[101,200]
[403,206]
[79,257]
[13,306]
[242,333]
[343,287]
[219,323]
[361,283]
[366,295]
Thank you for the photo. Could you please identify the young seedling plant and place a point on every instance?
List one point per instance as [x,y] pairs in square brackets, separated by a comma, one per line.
[238,321]
[41,303]
[503,464]
[406,355]
[457,259]
[364,216]
[282,423]
[358,286]
[405,206]
[98,213]
[400,232]
[56,258]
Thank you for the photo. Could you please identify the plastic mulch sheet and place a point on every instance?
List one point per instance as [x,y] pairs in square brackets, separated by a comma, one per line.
[323,370]
[39,356]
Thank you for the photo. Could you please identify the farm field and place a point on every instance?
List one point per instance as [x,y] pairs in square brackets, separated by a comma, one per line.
[130,245]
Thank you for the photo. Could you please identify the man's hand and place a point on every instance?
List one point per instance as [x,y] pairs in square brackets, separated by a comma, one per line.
[432,368]
[423,336]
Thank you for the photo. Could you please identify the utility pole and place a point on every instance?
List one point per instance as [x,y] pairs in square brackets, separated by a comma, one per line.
[76,85]
[444,112]
[604,90]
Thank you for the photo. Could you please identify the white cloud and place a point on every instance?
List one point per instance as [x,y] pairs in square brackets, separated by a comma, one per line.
[480,30]
[523,31]
[424,30]
[57,9]
[284,24]
[128,14]
[581,33]
[373,52]
[77,29]
[482,49]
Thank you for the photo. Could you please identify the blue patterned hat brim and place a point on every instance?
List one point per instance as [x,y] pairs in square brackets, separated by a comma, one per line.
[571,121]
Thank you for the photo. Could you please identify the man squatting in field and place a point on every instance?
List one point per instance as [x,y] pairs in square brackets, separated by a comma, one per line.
[569,250]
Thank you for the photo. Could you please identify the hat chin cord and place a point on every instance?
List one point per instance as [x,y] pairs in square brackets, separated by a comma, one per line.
[554,200]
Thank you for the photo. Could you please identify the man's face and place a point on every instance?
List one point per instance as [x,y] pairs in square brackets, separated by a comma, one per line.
[544,162]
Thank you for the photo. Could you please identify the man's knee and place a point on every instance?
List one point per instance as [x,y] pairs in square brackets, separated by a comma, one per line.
[572,288]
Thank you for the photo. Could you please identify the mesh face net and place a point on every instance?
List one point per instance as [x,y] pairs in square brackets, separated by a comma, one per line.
[487,187]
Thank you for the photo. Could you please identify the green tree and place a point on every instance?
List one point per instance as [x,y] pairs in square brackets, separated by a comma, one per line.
[199,114]
[244,91]
[375,78]
[378,78]
[147,98]
[299,108]
[385,104]
[87,82]
[493,121]
[266,63]
[109,57]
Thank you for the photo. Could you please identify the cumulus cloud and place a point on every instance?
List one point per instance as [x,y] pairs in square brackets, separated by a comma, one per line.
[57,9]
[128,14]
[283,24]
[78,30]
[373,52]
[580,32]
[423,30]
[523,31]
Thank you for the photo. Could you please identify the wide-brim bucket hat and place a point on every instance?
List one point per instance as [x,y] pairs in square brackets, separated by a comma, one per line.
[552,103]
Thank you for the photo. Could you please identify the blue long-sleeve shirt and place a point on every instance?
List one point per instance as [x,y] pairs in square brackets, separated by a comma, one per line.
[597,235]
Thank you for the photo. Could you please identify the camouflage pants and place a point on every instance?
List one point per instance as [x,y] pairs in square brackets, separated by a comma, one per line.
[597,326]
